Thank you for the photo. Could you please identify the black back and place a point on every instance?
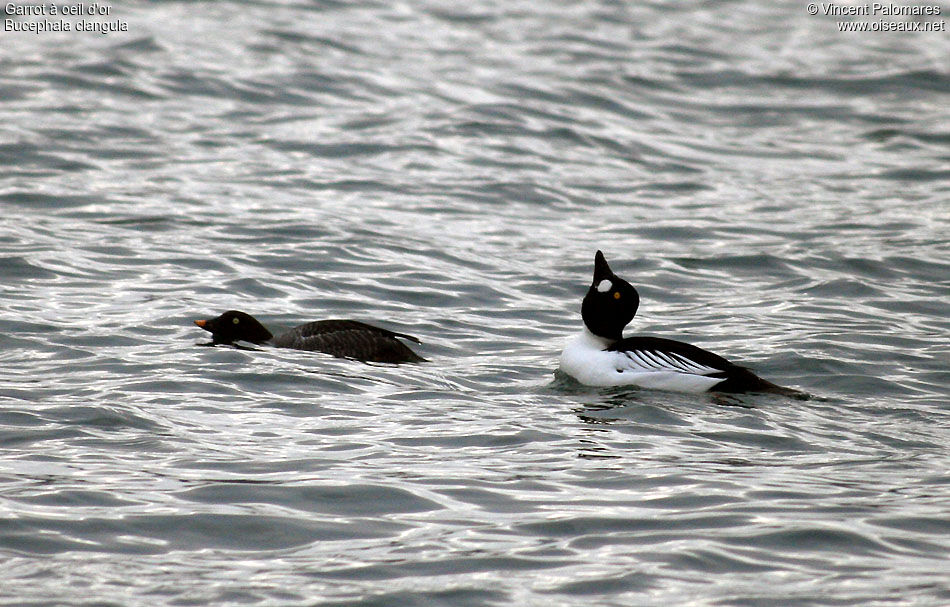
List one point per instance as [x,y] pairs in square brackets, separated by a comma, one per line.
[350,339]
[606,311]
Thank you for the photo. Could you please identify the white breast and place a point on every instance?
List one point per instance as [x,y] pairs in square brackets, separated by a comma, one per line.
[585,360]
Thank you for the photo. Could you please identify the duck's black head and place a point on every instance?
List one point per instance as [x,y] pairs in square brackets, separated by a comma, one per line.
[235,326]
[610,303]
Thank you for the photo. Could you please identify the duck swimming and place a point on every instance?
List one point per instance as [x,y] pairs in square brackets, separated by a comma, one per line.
[341,338]
[601,356]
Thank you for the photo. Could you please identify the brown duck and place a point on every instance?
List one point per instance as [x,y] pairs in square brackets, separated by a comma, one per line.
[341,338]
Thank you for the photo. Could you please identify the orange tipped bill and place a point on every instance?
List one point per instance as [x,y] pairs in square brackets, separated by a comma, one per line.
[201,323]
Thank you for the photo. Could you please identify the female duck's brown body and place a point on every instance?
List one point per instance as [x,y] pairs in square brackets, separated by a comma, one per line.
[340,338]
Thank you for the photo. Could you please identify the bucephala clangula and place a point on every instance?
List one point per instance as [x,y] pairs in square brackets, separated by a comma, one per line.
[601,356]
[340,338]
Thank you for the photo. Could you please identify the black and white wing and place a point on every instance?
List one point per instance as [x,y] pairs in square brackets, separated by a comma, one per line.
[667,364]
[682,366]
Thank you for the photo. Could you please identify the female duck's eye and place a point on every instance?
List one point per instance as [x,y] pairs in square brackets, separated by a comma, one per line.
[616,295]
[236,320]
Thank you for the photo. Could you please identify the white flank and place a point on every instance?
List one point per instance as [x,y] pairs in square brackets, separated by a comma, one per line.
[585,360]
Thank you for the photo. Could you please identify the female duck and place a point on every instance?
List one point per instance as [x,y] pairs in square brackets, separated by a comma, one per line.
[340,338]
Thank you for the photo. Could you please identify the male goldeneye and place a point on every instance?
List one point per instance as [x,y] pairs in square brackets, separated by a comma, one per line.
[341,338]
[601,356]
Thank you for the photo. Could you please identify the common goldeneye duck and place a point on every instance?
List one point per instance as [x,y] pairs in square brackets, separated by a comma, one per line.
[601,356]
[340,338]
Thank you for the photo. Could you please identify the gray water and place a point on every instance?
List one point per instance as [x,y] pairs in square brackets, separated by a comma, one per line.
[776,190]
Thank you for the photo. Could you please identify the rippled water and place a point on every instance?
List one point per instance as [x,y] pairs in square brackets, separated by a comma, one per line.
[777,191]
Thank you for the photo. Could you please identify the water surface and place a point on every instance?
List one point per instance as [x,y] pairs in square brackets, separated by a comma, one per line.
[776,190]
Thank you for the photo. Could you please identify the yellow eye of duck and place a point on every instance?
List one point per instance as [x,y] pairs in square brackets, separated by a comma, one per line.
[616,294]
[236,320]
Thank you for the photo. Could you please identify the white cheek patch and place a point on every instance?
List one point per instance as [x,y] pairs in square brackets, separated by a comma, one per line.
[604,286]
